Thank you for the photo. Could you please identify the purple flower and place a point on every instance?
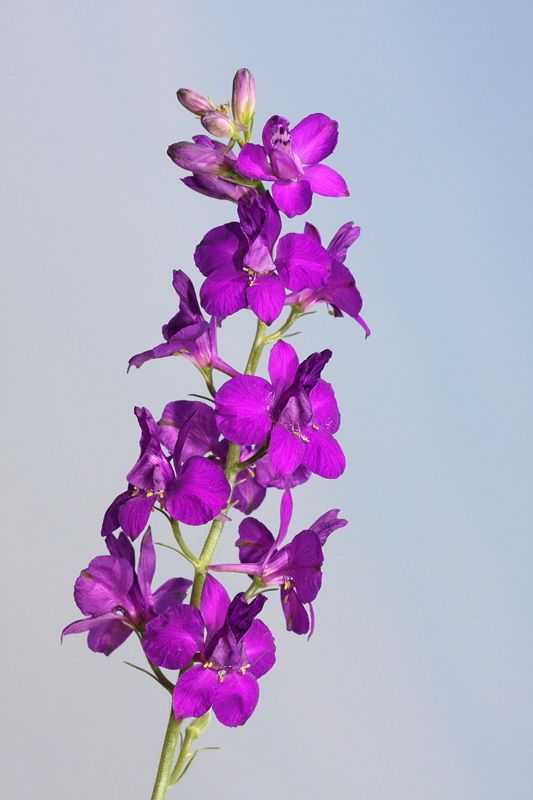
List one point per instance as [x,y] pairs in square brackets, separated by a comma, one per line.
[194,491]
[296,567]
[187,334]
[118,600]
[339,291]
[297,410]
[242,271]
[230,647]
[291,159]
[213,169]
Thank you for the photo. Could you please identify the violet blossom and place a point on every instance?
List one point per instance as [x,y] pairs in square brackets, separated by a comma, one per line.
[187,334]
[295,567]
[116,599]
[242,270]
[291,159]
[193,490]
[297,410]
[230,649]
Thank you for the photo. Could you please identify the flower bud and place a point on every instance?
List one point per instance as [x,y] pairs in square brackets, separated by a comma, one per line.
[193,101]
[243,97]
[217,124]
[199,158]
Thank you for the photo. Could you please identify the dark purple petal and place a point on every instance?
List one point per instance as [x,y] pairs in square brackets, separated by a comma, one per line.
[306,559]
[315,138]
[260,649]
[198,493]
[171,593]
[111,521]
[146,569]
[286,450]
[252,162]
[152,470]
[325,181]
[248,494]
[214,605]
[134,514]
[237,698]
[343,239]
[203,433]
[241,614]
[104,585]
[285,515]
[243,407]
[195,692]
[121,547]
[325,409]
[302,262]
[323,454]
[282,366]
[224,246]
[107,636]
[254,542]
[171,639]
[266,297]
[292,197]
[294,611]
[224,292]
[310,369]
[266,476]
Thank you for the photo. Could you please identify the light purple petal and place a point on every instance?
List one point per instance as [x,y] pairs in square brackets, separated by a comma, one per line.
[315,138]
[260,648]
[325,409]
[253,163]
[323,454]
[171,639]
[224,246]
[224,292]
[104,585]
[292,197]
[243,407]
[302,262]
[214,605]
[237,698]
[266,297]
[286,450]
[199,492]
[325,181]
[282,365]
[195,692]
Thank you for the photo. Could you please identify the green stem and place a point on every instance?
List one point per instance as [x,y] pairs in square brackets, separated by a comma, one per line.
[257,348]
[167,758]
[291,319]
[189,555]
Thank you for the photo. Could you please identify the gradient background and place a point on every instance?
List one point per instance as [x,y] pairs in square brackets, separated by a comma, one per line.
[417,682]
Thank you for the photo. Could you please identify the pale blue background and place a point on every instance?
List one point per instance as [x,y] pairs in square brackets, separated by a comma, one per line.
[417,683]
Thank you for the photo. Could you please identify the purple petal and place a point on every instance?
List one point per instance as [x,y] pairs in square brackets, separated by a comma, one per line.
[343,239]
[152,470]
[104,585]
[266,297]
[170,593]
[212,186]
[294,611]
[171,639]
[323,454]
[214,605]
[306,559]
[111,517]
[224,246]
[121,547]
[195,692]
[254,542]
[325,409]
[203,433]
[146,570]
[282,366]
[134,514]
[325,181]
[237,698]
[302,262]
[248,494]
[327,523]
[107,636]
[260,649]
[252,162]
[292,197]
[267,477]
[242,613]
[224,292]
[286,450]
[285,514]
[199,492]
[243,407]
[315,138]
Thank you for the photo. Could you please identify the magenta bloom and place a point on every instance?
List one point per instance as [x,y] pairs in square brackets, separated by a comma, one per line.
[118,600]
[297,410]
[193,491]
[231,648]
[296,567]
[339,291]
[242,270]
[291,159]
[187,334]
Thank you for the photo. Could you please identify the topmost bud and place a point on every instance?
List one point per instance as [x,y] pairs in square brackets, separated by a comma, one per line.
[243,97]
[193,101]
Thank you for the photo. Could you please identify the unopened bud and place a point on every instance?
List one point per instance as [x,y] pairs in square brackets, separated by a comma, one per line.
[243,97]
[193,101]
[217,124]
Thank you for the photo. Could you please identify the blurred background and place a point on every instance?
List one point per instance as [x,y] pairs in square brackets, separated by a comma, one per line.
[417,682]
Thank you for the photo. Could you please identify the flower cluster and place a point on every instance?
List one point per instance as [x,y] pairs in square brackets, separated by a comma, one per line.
[206,459]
